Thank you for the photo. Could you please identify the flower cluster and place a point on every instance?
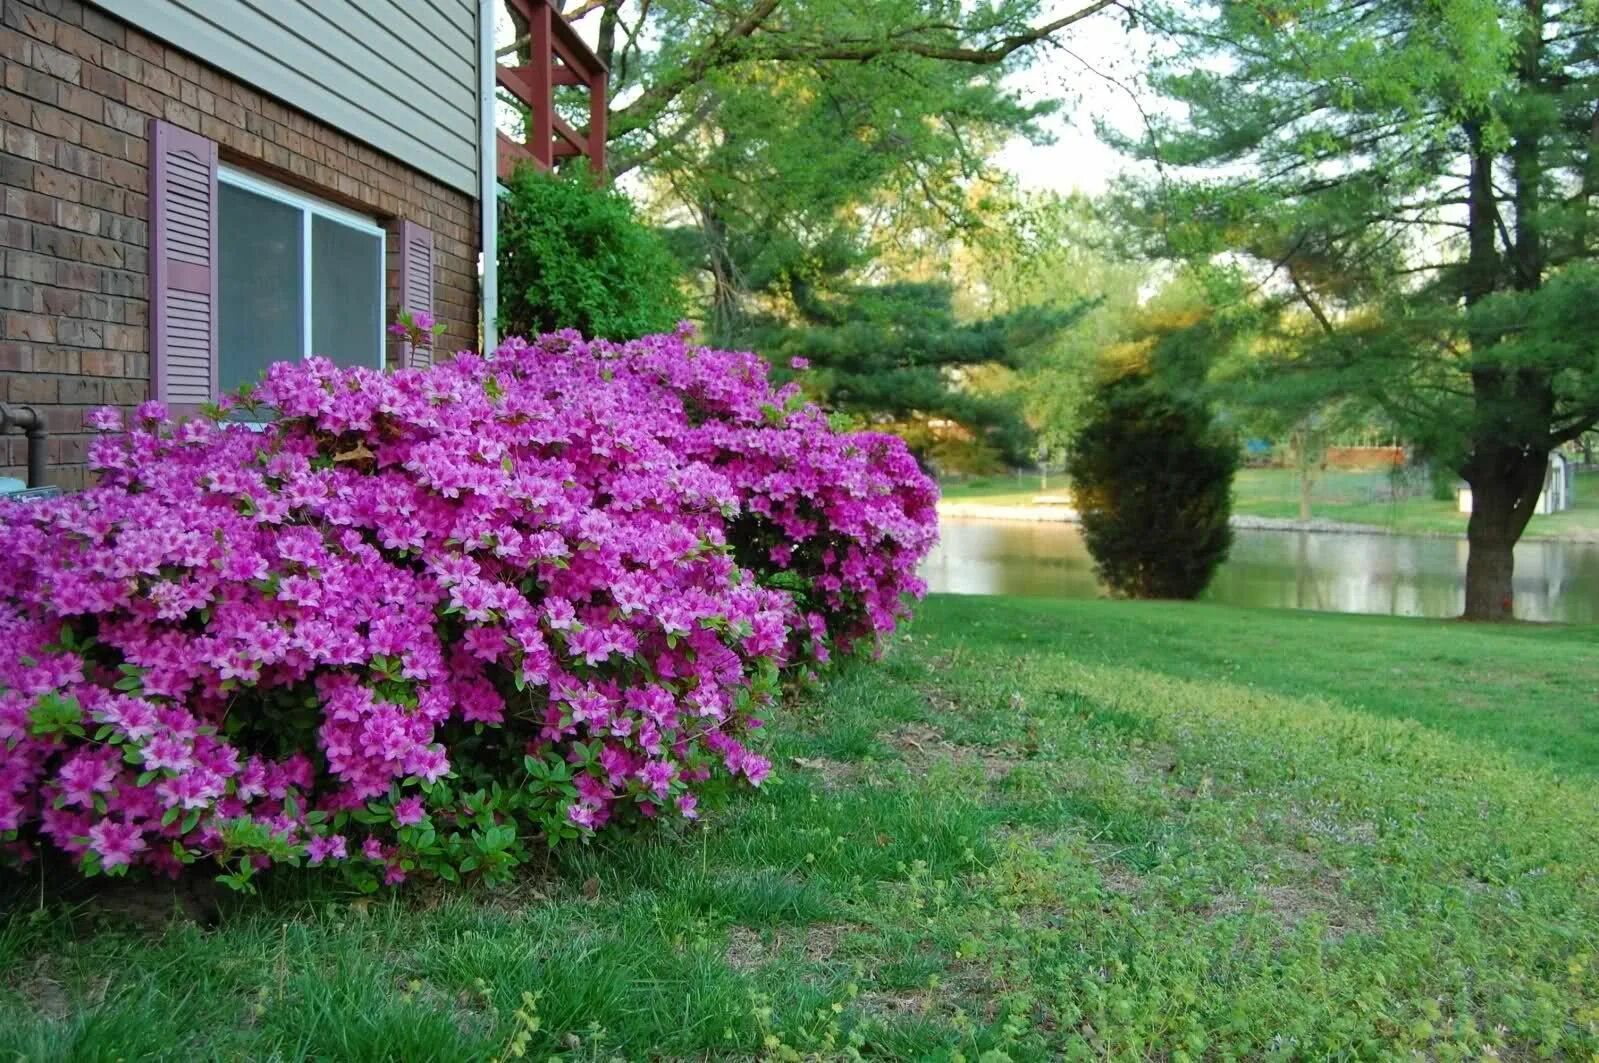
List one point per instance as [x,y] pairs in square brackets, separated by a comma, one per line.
[429,617]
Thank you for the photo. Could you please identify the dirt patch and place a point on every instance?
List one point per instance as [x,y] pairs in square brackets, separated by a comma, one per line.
[745,949]
[464,1010]
[1295,903]
[749,950]
[832,774]
[894,1003]
[920,747]
[1119,879]
[45,994]
[155,904]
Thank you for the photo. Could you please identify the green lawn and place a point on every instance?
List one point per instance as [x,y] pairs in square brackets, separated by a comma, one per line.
[1035,830]
[1354,497]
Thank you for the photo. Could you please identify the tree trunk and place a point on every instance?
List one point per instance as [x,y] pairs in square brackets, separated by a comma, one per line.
[1504,493]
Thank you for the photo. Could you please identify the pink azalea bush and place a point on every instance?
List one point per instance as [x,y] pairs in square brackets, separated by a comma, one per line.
[428,618]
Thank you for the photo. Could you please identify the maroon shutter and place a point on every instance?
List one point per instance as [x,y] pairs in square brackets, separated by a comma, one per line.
[416,283]
[183,266]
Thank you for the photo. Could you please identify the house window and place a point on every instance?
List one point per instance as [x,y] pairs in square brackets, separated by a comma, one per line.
[295,277]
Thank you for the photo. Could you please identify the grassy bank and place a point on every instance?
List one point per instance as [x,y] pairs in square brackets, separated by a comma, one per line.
[1353,497]
[1042,829]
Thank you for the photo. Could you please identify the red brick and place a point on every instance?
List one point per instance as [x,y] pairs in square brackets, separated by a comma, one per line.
[67,13]
[29,145]
[14,45]
[35,85]
[80,43]
[21,203]
[35,25]
[83,390]
[111,85]
[41,389]
[104,26]
[56,63]
[73,159]
[60,301]
[79,266]
[146,101]
[126,392]
[20,295]
[151,51]
[81,101]
[163,81]
[54,123]
[104,363]
[57,185]
[79,218]
[14,232]
[56,360]
[56,243]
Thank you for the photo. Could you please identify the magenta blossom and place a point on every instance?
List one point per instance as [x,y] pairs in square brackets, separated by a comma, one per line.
[313,640]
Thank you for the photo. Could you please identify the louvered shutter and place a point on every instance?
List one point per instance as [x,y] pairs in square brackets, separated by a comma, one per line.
[183,266]
[416,283]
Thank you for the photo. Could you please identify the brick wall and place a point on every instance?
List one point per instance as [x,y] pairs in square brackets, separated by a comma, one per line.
[78,90]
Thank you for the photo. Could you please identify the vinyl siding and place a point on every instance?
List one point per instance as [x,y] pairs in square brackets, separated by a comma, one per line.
[400,75]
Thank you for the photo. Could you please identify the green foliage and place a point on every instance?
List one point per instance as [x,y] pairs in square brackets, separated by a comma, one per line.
[897,356]
[1420,180]
[1038,830]
[1060,253]
[573,254]
[1152,478]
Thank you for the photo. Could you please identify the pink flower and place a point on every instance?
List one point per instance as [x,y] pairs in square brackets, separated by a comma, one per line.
[115,843]
[371,588]
[409,812]
[329,847]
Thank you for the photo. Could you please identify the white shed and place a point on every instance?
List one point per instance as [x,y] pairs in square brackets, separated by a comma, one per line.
[1559,481]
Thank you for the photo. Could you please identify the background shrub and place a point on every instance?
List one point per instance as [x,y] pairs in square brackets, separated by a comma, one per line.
[427,619]
[573,254]
[1152,477]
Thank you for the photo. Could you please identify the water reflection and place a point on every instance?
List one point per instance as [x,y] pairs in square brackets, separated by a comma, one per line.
[1395,574]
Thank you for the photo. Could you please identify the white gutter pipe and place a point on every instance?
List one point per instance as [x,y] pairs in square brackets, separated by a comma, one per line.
[488,173]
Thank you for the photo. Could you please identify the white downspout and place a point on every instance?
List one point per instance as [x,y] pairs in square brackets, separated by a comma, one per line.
[488,172]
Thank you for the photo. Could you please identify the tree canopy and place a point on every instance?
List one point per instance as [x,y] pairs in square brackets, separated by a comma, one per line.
[793,149]
[1420,179]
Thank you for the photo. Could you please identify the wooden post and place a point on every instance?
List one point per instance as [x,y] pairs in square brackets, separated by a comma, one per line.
[541,77]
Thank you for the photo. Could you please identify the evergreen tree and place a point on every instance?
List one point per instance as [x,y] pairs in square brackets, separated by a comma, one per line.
[896,356]
[1420,178]
[1151,471]
[573,254]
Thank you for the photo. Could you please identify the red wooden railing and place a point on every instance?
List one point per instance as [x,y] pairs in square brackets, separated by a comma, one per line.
[557,56]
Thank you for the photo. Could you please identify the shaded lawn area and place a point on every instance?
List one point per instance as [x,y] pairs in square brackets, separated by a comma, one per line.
[1352,497]
[1038,830]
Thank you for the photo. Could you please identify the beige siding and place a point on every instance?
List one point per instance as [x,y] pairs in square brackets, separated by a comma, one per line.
[400,75]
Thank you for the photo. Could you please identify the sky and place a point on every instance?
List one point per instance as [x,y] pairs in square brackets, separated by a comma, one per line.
[1096,72]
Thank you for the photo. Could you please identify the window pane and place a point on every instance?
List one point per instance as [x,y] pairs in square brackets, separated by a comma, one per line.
[261,316]
[346,294]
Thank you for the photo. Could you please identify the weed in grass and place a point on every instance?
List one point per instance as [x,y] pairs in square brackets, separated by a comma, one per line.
[1268,859]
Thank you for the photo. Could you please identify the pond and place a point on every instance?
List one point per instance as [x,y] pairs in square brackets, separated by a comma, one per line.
[1402,575]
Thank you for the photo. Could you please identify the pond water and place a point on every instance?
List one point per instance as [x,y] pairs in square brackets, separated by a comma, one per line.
[1401,575]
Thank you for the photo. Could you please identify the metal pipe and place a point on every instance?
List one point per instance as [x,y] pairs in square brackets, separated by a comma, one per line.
[488,175]
[34,429]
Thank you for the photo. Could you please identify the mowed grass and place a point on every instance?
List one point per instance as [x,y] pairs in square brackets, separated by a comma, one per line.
[1351,497]
[1034,830]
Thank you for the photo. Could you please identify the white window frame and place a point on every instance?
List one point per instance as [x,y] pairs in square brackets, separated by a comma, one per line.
[310,208]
